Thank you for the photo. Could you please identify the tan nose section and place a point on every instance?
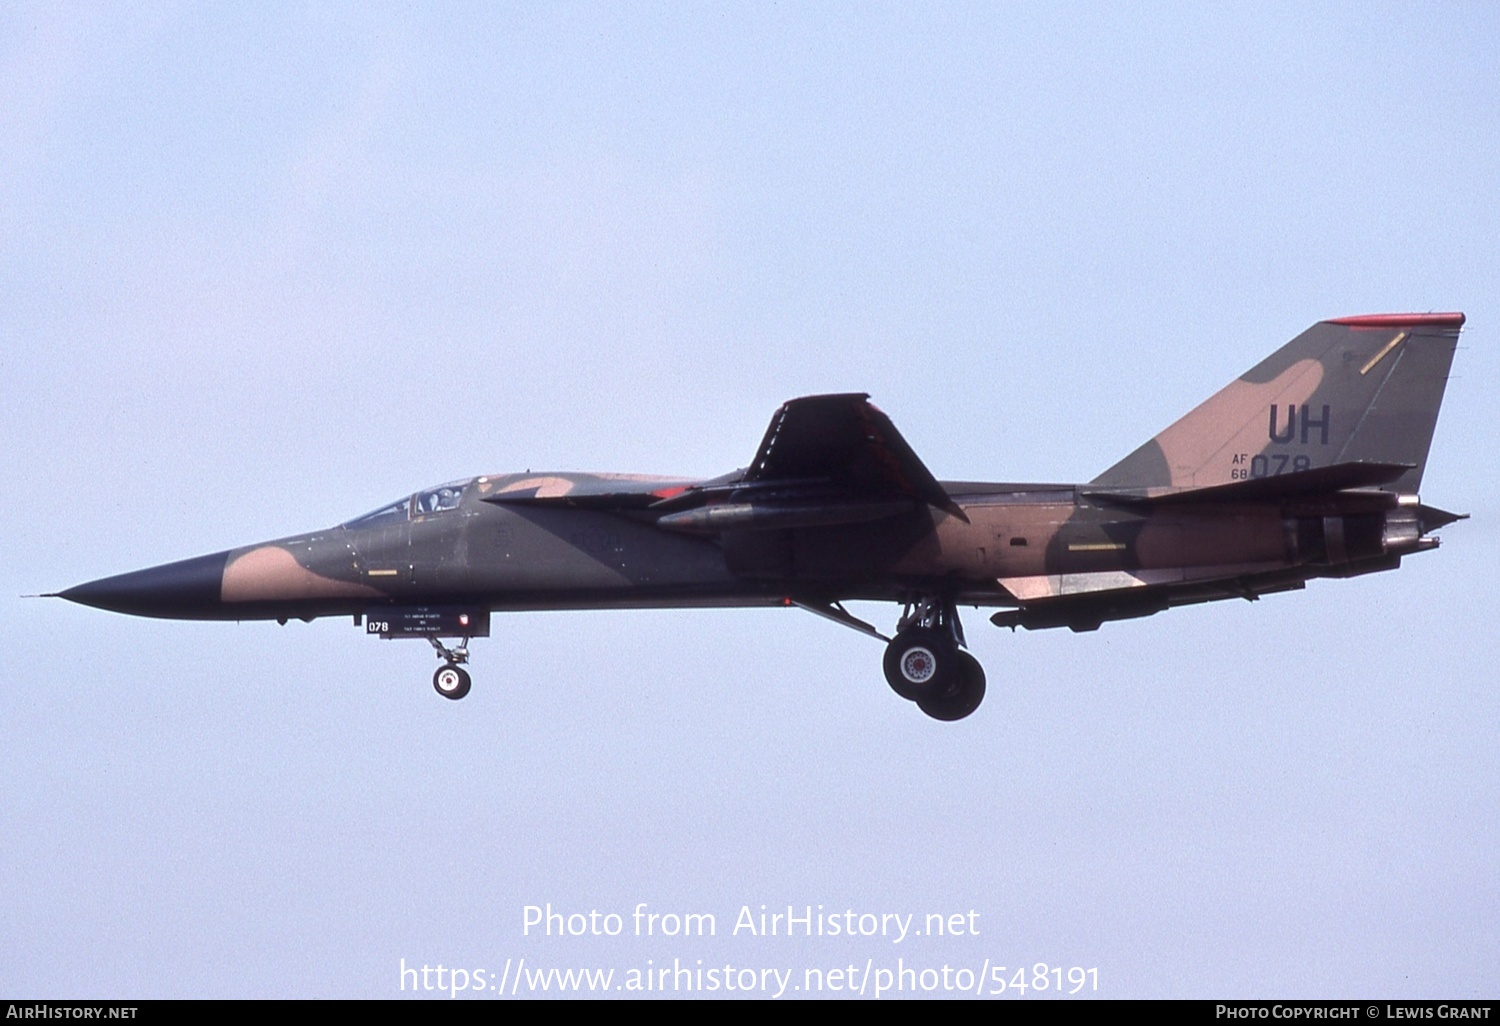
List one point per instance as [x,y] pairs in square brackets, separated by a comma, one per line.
[272,574]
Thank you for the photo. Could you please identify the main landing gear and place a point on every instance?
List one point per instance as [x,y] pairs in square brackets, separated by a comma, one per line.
[451,680]
[924,663]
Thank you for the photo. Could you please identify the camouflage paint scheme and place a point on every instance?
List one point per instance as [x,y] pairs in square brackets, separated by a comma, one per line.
[1306,466]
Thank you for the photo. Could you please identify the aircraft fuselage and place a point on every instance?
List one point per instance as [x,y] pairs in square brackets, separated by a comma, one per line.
[1020,543]
[1305,466]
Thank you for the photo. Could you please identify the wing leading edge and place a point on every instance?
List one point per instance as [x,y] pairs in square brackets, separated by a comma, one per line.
[844,442]
[825,460]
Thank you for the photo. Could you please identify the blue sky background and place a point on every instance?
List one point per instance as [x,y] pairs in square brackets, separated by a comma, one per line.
[264,269]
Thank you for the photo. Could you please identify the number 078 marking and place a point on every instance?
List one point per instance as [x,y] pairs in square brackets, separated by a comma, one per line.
[1262,465]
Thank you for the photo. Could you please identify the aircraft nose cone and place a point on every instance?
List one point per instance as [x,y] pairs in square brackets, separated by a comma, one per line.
[188,588]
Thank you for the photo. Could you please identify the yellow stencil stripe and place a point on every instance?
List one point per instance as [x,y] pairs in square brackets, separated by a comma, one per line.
[1381,355]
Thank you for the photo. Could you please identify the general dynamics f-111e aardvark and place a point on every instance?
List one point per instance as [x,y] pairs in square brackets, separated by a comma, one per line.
[1306,466]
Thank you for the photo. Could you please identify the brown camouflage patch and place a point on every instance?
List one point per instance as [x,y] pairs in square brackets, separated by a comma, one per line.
[549,487]
[271,573]
[1199,448]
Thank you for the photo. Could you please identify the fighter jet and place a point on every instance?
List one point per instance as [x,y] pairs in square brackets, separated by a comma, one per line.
[1306,466]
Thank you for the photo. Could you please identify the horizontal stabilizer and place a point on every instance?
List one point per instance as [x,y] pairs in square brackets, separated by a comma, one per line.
[1297,484]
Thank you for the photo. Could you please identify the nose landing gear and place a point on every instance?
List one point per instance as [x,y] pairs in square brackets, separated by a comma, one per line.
[434,623]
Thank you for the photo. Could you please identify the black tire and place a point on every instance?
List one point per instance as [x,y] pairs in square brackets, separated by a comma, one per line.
[920,662]
[451,681]
[961,697]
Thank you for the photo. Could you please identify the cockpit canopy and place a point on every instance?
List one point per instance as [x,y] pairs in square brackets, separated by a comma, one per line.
[434,500]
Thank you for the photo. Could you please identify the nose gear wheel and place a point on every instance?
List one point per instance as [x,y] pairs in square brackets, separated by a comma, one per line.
[451,681]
